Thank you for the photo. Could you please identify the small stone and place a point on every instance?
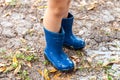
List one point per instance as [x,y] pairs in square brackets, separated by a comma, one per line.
[6,24]
[13,42]
[117,10]
[17,16]
[37,27]
[21,30]
[24,23]
[8,32]
[106,16]
[109,3]
[103,49]
[93,78]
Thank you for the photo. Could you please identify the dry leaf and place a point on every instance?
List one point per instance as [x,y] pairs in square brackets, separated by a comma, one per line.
[89,59]
[46,74]
[1,64]
[10,68]
[41,7]
[29,64]
[117,29]
[15,61]
[92,5]
[17,52]
[2,69]
[23,49]
[52,70]
[17,69]
[86,65]
[40,72]
[7,14]
[75,58]
[94,55]
[57,76]
[111,62]
[23,40]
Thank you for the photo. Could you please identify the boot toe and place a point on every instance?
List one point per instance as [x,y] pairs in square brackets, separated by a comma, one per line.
[66,65]
[78,43]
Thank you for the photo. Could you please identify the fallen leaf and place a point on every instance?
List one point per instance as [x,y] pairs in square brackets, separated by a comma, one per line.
[94,55]
[17,52]
[2,64]
[9,68]
[29,64]
[89,59]
[40,72]
[92,5]
[93,78]
[7,14]
[110,63]
[15,61]
[17,69]
[46,74]
[75,67]
[41,7]
[75,58]
[57,76]
[2,69]
[52,70]
[23,40]
[86,65]
[23,49]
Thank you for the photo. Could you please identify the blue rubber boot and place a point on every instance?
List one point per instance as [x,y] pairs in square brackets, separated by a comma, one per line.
[70,39]
[54,52]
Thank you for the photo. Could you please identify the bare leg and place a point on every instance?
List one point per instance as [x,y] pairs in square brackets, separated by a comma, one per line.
[57,9]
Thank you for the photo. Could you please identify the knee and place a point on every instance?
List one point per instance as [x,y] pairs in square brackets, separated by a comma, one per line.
[60,8]
[60,11]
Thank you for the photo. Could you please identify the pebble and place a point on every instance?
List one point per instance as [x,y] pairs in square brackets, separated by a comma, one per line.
[6,24]
[106,16]
[17,16]
[21,30]
[8,32]
[14,43]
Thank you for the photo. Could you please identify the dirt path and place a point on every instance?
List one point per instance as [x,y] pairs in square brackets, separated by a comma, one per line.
[21,34]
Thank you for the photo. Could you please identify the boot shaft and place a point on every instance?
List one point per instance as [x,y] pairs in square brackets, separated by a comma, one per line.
[54,40]
[67,24]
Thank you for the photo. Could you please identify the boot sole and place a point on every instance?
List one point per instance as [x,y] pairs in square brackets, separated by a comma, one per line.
[66,71]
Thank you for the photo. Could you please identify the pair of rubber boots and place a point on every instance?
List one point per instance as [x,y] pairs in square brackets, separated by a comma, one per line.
[55,41]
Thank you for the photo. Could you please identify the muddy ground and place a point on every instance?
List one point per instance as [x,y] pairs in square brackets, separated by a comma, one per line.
[21,32]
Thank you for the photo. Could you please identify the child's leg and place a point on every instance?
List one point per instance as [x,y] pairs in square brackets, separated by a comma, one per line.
[57,9]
